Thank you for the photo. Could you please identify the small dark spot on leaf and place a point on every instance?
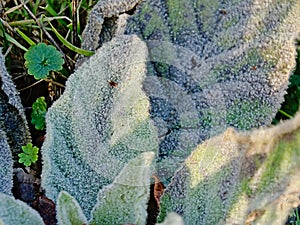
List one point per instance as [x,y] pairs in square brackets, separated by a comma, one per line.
[194,63]
[223,11]
[113,83]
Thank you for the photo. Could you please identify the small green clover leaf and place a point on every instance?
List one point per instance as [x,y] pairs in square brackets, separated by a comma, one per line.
[41,59]
[38,114]
[29,154]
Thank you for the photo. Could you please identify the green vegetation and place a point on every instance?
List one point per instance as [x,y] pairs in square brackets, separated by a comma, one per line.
[41,59]
[49,32]
[29,154]
[38,114]
[292,98]
[52,22]
[294,218]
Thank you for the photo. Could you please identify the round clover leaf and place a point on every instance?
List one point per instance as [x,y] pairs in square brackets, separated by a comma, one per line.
[41,59]
[29,154]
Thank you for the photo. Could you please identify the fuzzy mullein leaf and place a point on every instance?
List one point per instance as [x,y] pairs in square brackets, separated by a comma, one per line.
[6,169]
[212,64]
[12,116]
[41,59]
[239,178]
[38,114]
[69,211]
[29,154]
[172,219]
[125,200]
[14,212]
[99,124]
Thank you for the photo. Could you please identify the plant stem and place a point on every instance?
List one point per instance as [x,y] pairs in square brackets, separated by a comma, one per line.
[74,22]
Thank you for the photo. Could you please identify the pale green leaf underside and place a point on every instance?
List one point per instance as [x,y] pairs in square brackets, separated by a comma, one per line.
[69,211]
[125,200]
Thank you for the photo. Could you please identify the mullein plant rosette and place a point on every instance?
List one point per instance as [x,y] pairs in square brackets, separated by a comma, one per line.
[41,59]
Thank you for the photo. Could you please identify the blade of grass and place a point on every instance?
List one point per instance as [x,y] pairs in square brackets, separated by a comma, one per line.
[75,23]
[285,114]
[70,46]
[35,7]
[14,9]
[32,21]
[52,12]
[12,40]
[25,37]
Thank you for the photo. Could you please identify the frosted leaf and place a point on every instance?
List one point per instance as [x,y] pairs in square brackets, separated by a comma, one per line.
[172,219]
[6,169]
[212,64]
[68,210]
[125,200]
[239,178]
[14,212]
[99,123]
[12,117]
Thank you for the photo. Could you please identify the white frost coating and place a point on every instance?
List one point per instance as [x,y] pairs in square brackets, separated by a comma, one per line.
[237,60]
[99,123]
[231,61]
[103,9]
[239,178]
[9,87]
[125,200]
[172,219]
[6,168]
[14,212]
[12,117]
[212,64]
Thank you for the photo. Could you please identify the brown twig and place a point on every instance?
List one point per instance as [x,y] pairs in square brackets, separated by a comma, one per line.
[74,22]
[25,88]
[54,82]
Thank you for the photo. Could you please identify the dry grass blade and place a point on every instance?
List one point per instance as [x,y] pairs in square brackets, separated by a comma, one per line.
[74,23]
[18,6]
